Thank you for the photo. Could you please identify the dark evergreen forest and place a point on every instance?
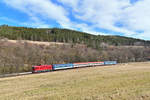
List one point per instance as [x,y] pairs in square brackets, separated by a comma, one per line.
[66,36]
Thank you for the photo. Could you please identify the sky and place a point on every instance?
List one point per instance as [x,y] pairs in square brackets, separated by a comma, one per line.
[129,18]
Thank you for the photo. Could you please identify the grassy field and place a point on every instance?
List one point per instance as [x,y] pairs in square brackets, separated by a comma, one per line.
[118,82]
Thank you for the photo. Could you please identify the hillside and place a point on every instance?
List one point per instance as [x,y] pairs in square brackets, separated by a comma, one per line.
[21,48]
[66,36]
[119,82]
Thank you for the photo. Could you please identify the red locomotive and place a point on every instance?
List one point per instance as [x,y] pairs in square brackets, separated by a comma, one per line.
[42,68]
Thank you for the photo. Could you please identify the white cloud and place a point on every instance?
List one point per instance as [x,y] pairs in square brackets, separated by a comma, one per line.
[88,29]
[105,14]
[71,3]
[44,8]
[134,19]
[36,22]
[138,15]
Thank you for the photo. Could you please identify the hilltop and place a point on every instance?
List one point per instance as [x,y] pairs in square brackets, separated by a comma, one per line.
[67,36]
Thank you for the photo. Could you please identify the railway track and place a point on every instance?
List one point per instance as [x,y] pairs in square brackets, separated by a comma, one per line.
[15,74]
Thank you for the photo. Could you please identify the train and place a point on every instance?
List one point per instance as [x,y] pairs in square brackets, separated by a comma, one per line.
[54,67]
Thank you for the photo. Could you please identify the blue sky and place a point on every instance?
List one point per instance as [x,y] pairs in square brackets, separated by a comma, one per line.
[105,17]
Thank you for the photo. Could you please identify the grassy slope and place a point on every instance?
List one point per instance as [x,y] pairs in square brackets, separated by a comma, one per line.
[120,82]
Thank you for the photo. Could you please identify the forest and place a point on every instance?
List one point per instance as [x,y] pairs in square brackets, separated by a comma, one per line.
[66,36]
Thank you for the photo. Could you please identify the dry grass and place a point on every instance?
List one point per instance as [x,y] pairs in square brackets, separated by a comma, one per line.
[119,82]
[34,42]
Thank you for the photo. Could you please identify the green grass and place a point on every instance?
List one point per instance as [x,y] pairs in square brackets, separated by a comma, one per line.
[119,82]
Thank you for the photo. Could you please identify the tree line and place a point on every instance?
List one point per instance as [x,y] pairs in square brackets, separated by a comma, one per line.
[20,57]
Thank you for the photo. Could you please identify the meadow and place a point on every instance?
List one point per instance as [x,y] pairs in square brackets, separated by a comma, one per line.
[130,81]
